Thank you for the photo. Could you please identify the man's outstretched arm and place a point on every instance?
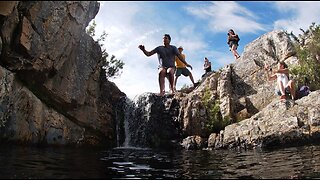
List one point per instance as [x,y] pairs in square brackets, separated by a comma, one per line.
[147,53]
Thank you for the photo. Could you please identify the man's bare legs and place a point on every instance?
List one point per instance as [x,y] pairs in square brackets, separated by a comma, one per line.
[162,75]
[170,72]
[175,83]
[191,78]
[176,79]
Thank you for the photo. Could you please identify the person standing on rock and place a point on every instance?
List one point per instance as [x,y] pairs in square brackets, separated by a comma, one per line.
[233,42]
[181,68]
[166,56]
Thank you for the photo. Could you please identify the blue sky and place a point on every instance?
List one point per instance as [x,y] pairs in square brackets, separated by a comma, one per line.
[199,26]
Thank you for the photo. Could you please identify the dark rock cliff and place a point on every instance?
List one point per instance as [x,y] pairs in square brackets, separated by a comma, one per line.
[53,88]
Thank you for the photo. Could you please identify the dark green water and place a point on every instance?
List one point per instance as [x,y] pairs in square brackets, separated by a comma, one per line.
[137,163]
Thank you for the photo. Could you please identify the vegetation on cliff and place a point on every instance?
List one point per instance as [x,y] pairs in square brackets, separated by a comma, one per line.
[307,72]
[215,120]
[112,65]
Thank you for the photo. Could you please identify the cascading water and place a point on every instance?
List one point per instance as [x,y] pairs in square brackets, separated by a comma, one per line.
[147,121]
[129,110]
[124,113]
[131,128]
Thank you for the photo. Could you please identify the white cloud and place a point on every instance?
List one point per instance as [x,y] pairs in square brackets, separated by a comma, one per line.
[224,15]
[301,15]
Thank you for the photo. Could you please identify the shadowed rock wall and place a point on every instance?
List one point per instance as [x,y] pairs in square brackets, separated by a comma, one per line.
[53,87]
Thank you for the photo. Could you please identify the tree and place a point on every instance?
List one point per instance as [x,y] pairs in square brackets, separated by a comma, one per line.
[111,65]
[307,72]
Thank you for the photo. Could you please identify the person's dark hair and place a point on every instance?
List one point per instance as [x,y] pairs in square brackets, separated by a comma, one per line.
[283,64]
[231,30]
[168,36]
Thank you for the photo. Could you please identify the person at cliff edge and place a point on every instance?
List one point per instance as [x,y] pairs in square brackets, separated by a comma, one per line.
[166,56]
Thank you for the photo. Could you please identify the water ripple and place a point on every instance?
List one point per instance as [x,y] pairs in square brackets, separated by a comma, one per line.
[144,163]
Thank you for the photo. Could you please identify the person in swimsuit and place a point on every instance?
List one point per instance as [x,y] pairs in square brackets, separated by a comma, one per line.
[284,85]
[166,57]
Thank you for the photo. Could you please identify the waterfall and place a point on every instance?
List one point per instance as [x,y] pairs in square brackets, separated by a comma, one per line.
[124,112]
[135,121]
[146,121]
[129,110]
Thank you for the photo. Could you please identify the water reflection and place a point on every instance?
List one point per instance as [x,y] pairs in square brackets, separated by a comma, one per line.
[31,162]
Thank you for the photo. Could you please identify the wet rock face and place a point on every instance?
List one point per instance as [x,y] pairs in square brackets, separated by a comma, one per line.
[47,54]
[152,122]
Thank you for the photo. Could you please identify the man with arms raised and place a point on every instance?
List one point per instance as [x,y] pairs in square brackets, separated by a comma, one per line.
[166,56]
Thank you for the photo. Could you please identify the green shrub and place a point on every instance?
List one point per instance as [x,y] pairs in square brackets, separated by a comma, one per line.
[215,121]
[112,66]
[307,72]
